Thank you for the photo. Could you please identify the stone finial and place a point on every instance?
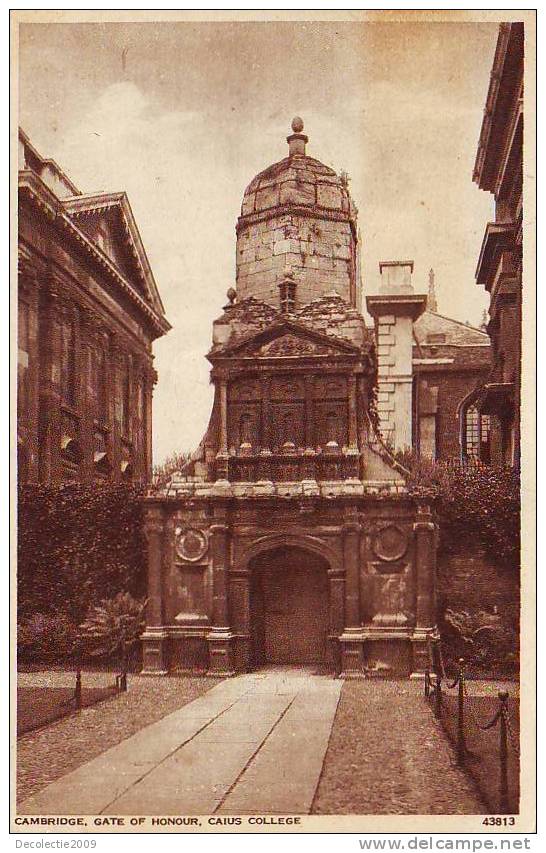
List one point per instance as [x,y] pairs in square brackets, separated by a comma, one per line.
[297,140]
[231,295]
[432,303]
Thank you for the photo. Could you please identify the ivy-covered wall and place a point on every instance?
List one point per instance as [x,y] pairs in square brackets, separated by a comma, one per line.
[478,510]
[78,544]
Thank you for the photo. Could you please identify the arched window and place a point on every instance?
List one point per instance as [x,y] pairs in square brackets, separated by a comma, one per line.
[472,434]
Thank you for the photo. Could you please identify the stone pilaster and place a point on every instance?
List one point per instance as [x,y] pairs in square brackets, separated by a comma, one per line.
[154,637]
[220,636]
[28,420]
[352,651]
[425,633]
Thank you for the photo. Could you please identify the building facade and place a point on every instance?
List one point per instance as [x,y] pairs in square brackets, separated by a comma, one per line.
[291,537]
[88,312]
[429,370]
[499,170]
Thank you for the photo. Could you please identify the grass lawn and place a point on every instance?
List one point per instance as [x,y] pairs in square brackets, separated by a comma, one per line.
[483,760]
[38,706]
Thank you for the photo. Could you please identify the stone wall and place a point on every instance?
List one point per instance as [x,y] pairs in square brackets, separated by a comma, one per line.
[321,253]
[469,580]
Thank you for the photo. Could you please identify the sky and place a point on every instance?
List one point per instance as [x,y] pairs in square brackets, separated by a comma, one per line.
[182,116]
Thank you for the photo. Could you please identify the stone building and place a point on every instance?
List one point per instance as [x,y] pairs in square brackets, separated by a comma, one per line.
[88,312]
[429,369]
[291,537]
[499,170]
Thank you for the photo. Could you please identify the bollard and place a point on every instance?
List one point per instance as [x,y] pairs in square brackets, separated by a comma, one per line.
[461,745]
[504,806]
[78,690]
[427,683]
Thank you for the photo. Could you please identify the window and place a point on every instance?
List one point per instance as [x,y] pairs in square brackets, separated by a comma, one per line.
[68,363]
[476,436]
[472,434]
[97,383]
[288,296]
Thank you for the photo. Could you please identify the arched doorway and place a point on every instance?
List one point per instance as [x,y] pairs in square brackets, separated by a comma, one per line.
[289,607]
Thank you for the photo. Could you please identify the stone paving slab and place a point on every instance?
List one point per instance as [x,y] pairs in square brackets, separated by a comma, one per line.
[192,761]
[283,777]
[94,785]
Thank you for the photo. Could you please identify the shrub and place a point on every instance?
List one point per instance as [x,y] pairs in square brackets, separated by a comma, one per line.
[174,462]
[46,638]
[113,627]
[481,501]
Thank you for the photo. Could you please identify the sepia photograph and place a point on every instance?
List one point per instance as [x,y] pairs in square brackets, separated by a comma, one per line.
[273,335]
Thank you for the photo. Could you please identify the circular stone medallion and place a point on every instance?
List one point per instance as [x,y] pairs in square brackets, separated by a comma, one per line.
[390,543]
[191,544]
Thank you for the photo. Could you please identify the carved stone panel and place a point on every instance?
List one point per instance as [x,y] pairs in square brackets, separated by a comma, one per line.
[191,592]
[392,593]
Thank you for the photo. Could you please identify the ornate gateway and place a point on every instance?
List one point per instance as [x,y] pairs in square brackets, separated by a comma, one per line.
[290,537]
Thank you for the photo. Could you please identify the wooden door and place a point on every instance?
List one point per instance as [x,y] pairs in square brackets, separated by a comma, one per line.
[295,613]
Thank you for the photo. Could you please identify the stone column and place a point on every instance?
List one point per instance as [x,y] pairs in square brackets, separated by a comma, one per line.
[155,634]
[352,414]
[50,384]
[425,633]
[265,437]
[309,412]
[148,391]
[119,365]
[222,455]
[220,636]
[85,404]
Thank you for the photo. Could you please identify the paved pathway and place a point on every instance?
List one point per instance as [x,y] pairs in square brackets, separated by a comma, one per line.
[255,743]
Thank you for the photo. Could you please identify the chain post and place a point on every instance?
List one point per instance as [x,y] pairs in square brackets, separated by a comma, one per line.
[461,746]
[438,698]
[504,807]
[78,688]
[427,683]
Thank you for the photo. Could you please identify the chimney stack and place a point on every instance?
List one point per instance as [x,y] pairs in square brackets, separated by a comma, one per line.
[396,276]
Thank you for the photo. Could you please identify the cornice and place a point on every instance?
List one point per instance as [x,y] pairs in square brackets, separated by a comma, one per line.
[31,187]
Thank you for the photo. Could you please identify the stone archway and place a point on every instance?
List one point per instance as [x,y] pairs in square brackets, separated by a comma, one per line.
[289,607]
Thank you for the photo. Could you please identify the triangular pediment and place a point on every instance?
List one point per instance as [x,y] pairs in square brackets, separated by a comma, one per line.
[287,339]
[108,221]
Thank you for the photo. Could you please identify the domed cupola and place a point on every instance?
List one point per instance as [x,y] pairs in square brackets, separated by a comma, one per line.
[297,213]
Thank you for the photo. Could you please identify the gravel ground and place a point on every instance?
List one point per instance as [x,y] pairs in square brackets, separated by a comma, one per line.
[388,755]
[47,754]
